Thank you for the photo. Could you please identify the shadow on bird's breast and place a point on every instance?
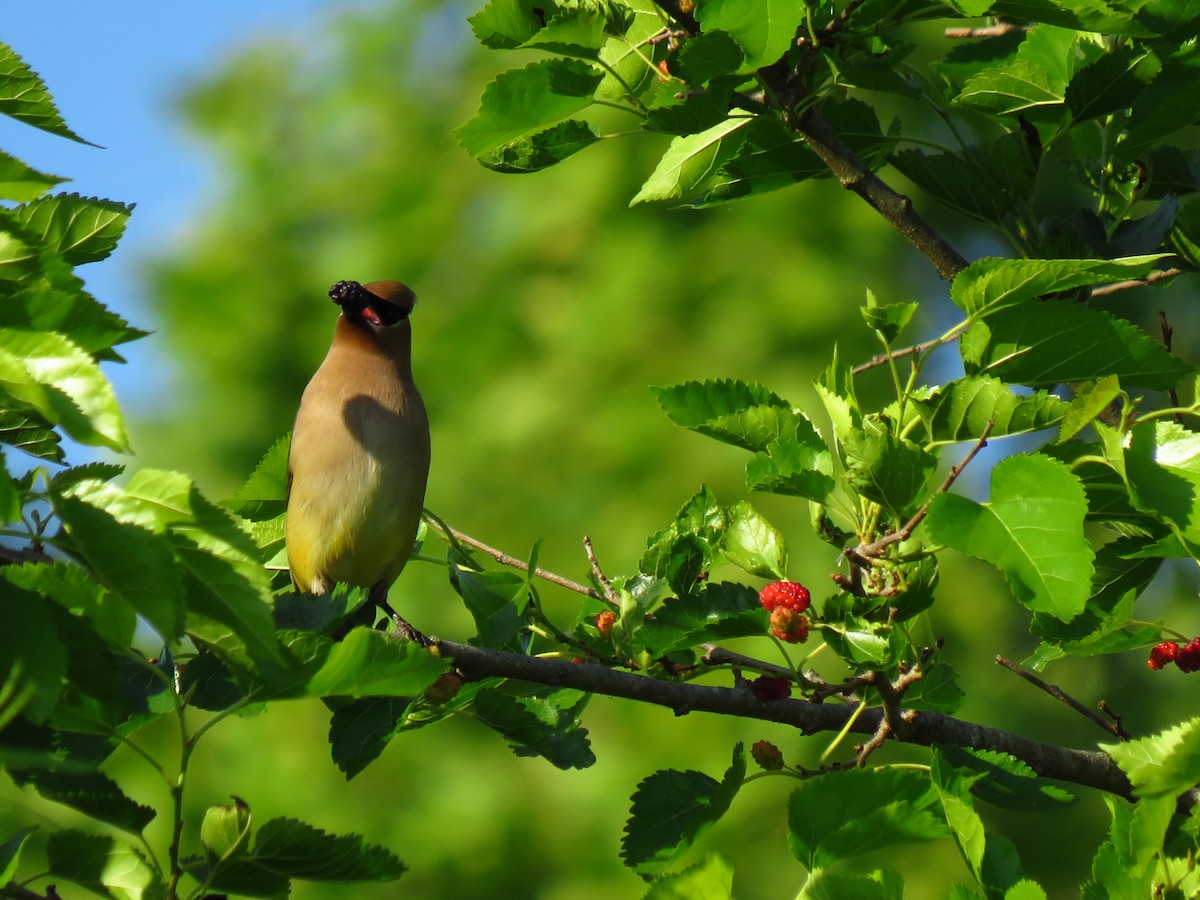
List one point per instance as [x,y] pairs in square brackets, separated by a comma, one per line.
[374,426]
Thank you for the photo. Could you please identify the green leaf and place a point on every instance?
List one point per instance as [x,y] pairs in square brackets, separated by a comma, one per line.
[798,468]
[992,284]
[359,731]
[73,588]
[754,544]
[709,879]
[542,150]
[888,470]
[522,103]
[1163,764]
[706,56]
[672,809]
[31,433]
[938,690]
[96,796]
[1024,344]
[1032,530]
[496,600]
[263,495]
[544,723]
[1091,398]
[20,182]
[64,384]
[1080,15]
[505,24]
[857,811]
[1110,83]
[764,29]
[1169,103]
[960,410]
[131,561]
[691,160]
[719,611]
[1162,467]
[826,884]
[1125,864]
[888,320]
[32,658]
[103,865]
[985,182]
[1003,90]
[741,413]
[367,663]
[10,855]
[1005,781]
[80,229]
[24,97]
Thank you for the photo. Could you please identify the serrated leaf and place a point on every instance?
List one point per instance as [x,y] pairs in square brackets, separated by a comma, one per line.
[495,599]
[832,884]
[96,796]
[709,879]
[80,229]
[1169,103]
[993,284]
[31,433]
[1162,468]
[368,663]
[64,384]
[24,97]
[856,811]
[889,320]
[1031,529]
[1110,83]
[888,470]
[754,544]
[20,182]
[1125,864]
[721,610]
[1163,764]
[764,29]
[706,56]
[524,102]
[960,410]
[1018,86]
[359,731]
[103,865]
[1024,344]
[798,468]
[132,562]
[741,413]
[1005,781]
[264,493]
[541,150]
[545,723]
[691,159]
[671,809]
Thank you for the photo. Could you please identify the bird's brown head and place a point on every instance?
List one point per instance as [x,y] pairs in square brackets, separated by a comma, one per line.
[381,303]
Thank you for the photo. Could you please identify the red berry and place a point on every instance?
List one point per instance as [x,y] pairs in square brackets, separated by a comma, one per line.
[1188,657]
[604,623]
[768,689]
[1162,654]
[789,594]
[767,755]
[444,689]
[789,625]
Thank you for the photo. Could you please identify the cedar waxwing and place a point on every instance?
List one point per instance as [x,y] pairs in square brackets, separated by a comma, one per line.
[360,451]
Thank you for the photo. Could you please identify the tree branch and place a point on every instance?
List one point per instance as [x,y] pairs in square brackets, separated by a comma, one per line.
[897,209]
[1112,727]
[1089,768]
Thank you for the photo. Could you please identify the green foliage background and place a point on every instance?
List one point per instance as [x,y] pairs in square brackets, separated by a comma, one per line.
[547,308]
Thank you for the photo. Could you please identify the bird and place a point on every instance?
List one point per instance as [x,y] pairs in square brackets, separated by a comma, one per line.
[359,456]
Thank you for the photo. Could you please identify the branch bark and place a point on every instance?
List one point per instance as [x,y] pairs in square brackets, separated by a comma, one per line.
[1089,768]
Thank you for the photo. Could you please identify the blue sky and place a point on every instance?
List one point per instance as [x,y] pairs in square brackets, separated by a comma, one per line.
[113,69]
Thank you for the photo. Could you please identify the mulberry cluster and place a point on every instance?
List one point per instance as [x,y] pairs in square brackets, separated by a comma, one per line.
[1186,657]
[787,601]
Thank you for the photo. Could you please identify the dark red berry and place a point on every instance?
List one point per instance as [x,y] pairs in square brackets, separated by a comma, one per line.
[788,594]
[769,689]
[767,755]
[1188,657]
[1162,654]
[789,625]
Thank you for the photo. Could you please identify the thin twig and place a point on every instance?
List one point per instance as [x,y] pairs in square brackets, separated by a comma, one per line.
[838,22]
[1167,333]
[506,559]
[1116,720]
[715,655]
[894,354]
[997,30]
[874,549]
[610,596]
[1156,276]
[1113,728]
